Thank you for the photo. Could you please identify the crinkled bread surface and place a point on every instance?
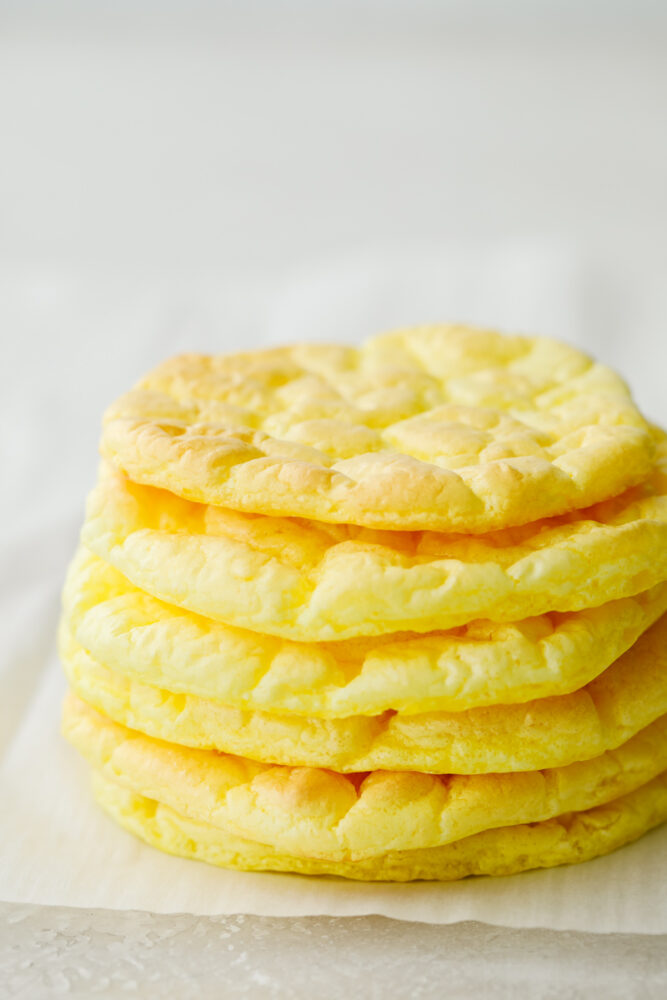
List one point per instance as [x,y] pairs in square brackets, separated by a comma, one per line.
[317,813]
[396,612]
[565,840]
[548,732]
[448,428]
[482,663]
[311,582]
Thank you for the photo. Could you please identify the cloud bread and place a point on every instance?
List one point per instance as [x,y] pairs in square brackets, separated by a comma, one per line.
[569,839]
[482,663]
[443,427]
[550,732]
[311,581]
[314,813]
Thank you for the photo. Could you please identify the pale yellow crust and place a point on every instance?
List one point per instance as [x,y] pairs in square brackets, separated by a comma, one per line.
[550,732]
[316,813]
[310,581]
[483,663]
[443,427]
[568,839]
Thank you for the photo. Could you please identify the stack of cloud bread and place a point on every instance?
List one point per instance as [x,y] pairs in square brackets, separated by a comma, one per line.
[395,612]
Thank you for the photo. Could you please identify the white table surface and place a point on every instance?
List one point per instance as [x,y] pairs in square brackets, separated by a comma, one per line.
[170,185]
[48,951]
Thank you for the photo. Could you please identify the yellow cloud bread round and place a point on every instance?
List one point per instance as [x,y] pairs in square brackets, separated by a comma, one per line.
[569,839]
[480,664]
[550,732]
[313,582]
[315,813]
[441,427]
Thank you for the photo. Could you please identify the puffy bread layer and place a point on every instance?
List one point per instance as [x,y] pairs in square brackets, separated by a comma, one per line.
[483,663]
[549,732]
[315,582]
[568,839]
[441,427]
[316,813]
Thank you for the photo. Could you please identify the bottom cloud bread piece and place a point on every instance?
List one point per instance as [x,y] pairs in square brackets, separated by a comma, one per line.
[569,839]
[314,813]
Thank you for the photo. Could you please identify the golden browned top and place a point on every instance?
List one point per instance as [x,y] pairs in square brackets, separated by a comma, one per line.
[444,427]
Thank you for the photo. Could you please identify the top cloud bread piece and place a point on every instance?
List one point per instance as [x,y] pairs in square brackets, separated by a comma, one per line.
[444,428]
